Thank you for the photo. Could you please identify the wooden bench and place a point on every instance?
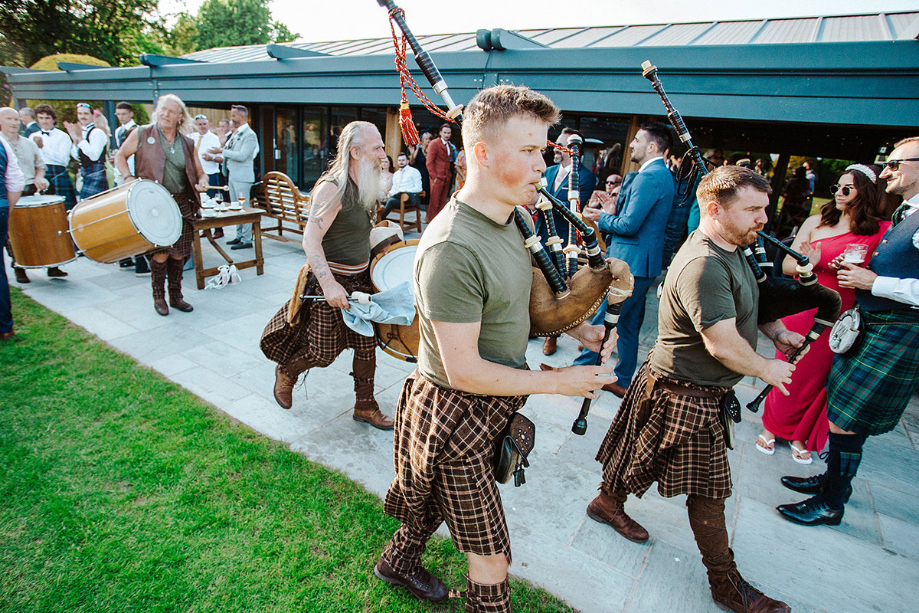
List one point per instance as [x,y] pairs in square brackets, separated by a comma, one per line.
[280,200]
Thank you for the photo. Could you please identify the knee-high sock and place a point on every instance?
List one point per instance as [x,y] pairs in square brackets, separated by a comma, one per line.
[488,598]
[174,270]
[706,518]
[842,466]
[158,279]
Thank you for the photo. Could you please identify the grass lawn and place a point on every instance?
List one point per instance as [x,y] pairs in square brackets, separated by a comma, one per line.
[120,491]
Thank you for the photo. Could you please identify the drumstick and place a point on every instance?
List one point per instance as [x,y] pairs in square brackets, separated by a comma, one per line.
[222,188]
[358,297]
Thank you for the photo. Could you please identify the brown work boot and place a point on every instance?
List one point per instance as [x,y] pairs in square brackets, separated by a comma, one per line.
[369,412]
[421,584]
[284,387]
[549,345]
[175,271]
[158,282]
[732,593]
[606,510]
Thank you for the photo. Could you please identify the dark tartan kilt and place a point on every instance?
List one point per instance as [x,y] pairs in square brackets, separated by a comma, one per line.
[443,448]
[320,334]
[94,180]
[867,392]
[681,445]
[61,185]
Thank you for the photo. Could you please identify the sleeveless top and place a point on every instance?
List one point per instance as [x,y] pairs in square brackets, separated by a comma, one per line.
[347,240]
[150,162]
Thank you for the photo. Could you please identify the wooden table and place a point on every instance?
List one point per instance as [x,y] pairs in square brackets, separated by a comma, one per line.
[222,220]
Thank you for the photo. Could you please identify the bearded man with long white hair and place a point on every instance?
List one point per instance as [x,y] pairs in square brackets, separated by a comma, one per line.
[337,246]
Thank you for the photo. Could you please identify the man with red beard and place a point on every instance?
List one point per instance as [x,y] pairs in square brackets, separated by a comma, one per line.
[669,428]
[337,246]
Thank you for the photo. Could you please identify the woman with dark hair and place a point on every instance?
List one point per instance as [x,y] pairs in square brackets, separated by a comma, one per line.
[852,217]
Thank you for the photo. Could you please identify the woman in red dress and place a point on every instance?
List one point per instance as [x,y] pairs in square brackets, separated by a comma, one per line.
[851,217]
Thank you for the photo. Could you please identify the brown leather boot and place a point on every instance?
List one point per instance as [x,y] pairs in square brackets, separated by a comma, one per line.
[285,378]
[609,510]
[175,269]
[421,584]
[158,282]
[729,590]
[21,276]
[488,598]
[366,408]
[549,345]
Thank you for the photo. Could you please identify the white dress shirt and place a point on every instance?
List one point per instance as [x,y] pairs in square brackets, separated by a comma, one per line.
[93,143]
[15,180]
[121,135]
[55,146]
[406,180]
[561,177]
[203,142]
[893,288]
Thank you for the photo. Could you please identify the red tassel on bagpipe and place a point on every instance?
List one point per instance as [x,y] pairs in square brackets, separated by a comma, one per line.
[409,131]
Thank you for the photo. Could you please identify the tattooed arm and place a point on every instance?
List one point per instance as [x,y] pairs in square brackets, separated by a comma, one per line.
[313,234]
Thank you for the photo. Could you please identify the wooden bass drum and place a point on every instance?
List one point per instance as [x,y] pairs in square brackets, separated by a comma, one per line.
[38,232]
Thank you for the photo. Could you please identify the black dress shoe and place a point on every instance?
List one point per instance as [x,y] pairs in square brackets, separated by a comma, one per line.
[811,512]
[809,485]
[241,246]
[56,273]
[235,241]
[21,276]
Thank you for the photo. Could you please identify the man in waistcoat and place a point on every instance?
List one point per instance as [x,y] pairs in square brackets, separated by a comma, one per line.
[869,388]
[163,154]
[89,143]
[337,246]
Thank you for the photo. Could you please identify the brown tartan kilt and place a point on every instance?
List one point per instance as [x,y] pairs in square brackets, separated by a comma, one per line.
[681,444]
[182,247]
[320,334]
[443,447]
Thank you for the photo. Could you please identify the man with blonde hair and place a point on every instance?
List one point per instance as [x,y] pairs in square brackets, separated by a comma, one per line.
[337,246]
[472,280]
[162,153]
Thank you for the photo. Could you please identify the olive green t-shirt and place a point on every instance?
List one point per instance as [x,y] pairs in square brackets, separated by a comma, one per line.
[705,284]
[469,269]
[174,178]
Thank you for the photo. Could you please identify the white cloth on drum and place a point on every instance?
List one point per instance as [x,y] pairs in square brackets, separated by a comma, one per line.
[393,306]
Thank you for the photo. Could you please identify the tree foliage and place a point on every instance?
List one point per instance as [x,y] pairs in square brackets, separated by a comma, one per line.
[115,31]
[227,23]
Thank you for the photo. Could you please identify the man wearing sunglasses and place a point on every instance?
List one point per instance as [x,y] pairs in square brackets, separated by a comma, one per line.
[859,402]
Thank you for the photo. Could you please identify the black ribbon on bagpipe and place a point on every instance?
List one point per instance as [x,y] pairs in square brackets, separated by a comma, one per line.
[778,297]
[554,267]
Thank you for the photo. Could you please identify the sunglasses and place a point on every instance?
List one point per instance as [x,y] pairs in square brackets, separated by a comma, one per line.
[197,117]
[613,182]
[845,190]
[84,105]
[895,164]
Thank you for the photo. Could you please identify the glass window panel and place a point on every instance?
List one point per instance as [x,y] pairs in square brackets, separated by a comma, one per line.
[315,145]
[286,143]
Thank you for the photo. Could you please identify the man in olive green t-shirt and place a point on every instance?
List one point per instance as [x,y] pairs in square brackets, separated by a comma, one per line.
[668,428]
[472,280]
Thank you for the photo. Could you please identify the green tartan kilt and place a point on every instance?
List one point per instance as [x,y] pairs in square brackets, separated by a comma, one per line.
[868,391]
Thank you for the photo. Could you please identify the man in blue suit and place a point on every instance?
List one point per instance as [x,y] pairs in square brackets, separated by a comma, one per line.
[557,178]
[637,236]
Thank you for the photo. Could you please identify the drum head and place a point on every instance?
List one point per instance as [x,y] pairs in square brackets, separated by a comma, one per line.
[393,268]
[38,200]
[154,213]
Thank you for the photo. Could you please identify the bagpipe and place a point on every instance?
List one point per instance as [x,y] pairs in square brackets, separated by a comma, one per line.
[563,294]
[778,297]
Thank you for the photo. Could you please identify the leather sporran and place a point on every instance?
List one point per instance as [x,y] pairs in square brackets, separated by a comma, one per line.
[728,415]
[514,445]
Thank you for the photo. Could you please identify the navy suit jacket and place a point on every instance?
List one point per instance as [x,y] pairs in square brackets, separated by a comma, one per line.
[587,184]
[637,230]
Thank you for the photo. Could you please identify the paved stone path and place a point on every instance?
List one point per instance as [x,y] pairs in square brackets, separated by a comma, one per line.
[869,563]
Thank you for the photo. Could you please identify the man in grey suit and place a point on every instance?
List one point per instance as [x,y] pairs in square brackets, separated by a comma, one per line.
[636,234]
[236,158]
